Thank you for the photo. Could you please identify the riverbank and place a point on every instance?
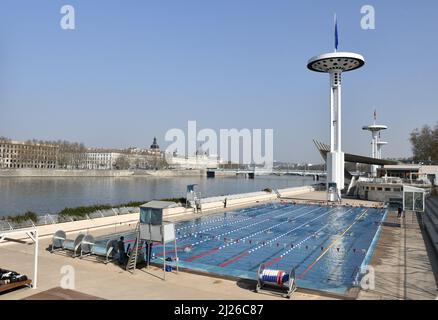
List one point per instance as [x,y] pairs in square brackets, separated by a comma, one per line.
[40,173]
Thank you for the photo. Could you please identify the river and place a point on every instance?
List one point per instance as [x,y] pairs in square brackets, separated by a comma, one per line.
[50,195]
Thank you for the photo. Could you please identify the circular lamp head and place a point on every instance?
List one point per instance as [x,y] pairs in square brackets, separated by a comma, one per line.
[344,61]
[375,127]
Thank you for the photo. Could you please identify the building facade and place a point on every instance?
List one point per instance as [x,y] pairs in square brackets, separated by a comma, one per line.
[20,155]
[192,162]
[100,160]
[33,155]
[425,173]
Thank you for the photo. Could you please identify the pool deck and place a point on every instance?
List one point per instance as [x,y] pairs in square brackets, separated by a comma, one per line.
[404,269]
[111,282]
[405,265]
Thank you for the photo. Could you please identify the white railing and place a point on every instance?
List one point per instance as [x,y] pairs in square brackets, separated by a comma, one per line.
[48,219]
[395,180]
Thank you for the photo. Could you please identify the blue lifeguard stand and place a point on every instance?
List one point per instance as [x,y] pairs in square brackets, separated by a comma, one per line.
[153,228]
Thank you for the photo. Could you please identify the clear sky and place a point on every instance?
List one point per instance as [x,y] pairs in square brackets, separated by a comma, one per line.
[134,69]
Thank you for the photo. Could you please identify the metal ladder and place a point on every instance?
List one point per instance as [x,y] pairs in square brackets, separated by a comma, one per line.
[132,260]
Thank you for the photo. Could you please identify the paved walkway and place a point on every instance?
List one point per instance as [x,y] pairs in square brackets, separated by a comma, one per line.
[111,282]
[402,262]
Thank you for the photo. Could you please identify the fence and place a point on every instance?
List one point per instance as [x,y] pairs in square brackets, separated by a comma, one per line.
[55,218]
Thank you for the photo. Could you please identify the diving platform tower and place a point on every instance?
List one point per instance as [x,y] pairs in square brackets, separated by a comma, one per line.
[376,144]
[335,63]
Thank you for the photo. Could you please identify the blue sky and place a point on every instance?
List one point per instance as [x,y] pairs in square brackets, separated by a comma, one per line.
[134,69]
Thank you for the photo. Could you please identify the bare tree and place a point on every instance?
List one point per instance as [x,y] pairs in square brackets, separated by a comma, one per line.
[425,143]
[122,163]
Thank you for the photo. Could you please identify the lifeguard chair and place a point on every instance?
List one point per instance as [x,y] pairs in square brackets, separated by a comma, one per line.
[152,228]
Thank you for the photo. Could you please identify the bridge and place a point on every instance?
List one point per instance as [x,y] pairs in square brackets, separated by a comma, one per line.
[251,173]
[299,173]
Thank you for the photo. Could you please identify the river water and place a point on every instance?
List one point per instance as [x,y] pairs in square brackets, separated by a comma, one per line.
[50,195]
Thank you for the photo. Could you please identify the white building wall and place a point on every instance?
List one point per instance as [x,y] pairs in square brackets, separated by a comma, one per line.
[100,160]
[193,162]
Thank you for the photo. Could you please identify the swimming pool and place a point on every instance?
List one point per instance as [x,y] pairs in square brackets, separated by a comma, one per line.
[326,245]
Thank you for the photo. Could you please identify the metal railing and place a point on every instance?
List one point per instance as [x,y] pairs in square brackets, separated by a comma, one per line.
[49,219]
[395,180]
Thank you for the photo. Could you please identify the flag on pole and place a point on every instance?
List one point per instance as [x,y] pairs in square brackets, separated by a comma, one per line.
[336,33]
[375,114]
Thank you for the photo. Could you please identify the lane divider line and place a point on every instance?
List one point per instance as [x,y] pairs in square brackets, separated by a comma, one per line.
[233,215]
[276,238]
[250,235]
[296,246]
[302,274]
[235,222]
[231,223]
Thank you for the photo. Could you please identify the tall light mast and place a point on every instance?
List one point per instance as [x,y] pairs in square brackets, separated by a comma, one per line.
[335,63]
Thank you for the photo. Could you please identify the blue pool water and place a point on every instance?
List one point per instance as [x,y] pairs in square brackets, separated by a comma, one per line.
[327,246]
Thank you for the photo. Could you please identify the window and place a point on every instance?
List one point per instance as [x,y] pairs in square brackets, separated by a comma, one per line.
[151,216]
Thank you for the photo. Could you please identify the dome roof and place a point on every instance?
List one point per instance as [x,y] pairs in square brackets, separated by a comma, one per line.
[155,145]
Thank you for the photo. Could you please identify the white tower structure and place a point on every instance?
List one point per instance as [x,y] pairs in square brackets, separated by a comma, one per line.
[335,63]
[380,144]
[376,144]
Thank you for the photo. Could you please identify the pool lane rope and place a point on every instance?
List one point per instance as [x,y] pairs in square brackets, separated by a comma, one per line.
[232,231]
[233,215]
[294,247]
[302,274]
[244,238]
[274,276]
[236,222]
[252,225]
[210,221]
[298,245]
[186,235]
[224,264]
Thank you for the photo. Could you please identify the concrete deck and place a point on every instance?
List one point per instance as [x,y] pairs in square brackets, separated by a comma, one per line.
[404,265]
[111,282]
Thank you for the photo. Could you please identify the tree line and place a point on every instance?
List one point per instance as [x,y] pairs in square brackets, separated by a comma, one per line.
[70,155]
[425,144]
